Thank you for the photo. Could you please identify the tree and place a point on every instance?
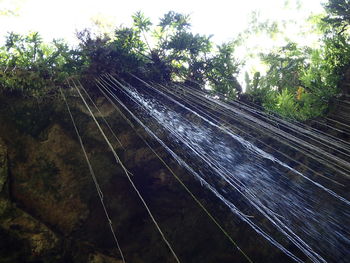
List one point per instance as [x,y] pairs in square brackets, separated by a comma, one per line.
[222,69]
[338,14]
[284,67]
[299,82]
[191,57]
[182,52]
[176,54]
[33,68]
[336,38]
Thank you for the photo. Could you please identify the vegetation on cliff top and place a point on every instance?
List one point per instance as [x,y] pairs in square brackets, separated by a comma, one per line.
[299,82]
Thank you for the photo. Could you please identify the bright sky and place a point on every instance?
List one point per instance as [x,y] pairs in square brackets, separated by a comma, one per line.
[223,18]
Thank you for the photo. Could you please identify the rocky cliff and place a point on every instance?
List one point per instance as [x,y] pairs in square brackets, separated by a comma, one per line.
[49,207]
[50,210]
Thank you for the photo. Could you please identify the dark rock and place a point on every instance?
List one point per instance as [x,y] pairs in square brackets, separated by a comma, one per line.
[3,165]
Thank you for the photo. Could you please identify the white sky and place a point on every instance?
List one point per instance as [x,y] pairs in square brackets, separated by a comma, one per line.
[223,18]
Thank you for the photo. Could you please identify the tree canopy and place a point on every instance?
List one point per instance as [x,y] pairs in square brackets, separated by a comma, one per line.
[298,84]
[168,51]
[301,80]
[338,14]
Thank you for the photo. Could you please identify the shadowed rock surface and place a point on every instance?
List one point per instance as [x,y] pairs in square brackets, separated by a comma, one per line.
[49,207]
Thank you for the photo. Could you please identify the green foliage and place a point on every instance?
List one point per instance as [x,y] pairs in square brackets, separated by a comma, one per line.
[252,84]
[176,54]
[299,83]
[221,71]
[284,66]
[282,102]
[337,53]
[182,52]
[175,21]
[119,55]
[33,68]
[287,105]
[141,22]
[338,14]
[128,40]
[319,77]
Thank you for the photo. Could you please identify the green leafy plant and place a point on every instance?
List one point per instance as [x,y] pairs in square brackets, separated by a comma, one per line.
[176,54]
[33,68]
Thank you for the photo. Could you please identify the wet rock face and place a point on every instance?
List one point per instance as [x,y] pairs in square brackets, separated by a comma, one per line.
[37,239]
[52,212]
[21,235]
[100,258]
[3,178]
[3,165]
[55,215]
[49,191]
[49,183]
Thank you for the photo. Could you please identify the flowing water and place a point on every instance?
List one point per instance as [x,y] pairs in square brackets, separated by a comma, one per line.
[299,216]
